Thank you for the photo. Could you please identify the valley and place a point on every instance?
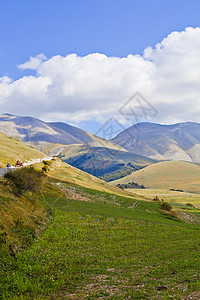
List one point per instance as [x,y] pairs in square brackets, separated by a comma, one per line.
[80,237]
[99,150]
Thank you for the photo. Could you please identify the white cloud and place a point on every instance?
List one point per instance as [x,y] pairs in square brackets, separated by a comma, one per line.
[33,63]
[95,86]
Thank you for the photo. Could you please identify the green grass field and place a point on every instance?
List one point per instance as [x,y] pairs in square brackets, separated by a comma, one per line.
[79,237]
[102,246]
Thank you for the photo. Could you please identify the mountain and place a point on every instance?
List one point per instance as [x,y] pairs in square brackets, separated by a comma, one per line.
[75,146]
[12,149]
[36,132]
[45,136]
[178,175]
[163,142]
[107,164]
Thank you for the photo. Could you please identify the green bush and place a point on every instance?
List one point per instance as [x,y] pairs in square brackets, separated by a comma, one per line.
[130,185]
[47,162]
[45,168]
[24,179]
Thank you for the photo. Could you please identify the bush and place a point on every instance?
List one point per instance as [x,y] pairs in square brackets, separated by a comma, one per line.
[130,185]
[45,168]
[190,204]
[24,179]
[166,206]
[156,198]
[47,162]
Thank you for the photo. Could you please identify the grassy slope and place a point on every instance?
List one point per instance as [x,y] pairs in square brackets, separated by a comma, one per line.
[20,218]
[104,246]
[100,243]
[12,149]
[167,175]
[65,172]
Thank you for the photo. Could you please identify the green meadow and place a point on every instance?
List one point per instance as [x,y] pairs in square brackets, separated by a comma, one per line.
[97,245]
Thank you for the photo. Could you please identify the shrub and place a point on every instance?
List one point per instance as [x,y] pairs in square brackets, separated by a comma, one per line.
[45,168]
[24,179]
[156,198]
[166,206]
[47,162]
[190,204]
[131,185]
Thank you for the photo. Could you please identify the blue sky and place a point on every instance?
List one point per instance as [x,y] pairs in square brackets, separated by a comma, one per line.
[114,28]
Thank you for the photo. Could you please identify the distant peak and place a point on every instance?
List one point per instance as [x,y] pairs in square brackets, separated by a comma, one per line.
[6,114]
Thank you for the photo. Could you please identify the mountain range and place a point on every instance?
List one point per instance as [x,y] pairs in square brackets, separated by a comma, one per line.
[162,142]
[138,146]
[75,146]
[42,135]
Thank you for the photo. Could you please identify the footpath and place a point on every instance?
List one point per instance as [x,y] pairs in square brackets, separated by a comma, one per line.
[4,170]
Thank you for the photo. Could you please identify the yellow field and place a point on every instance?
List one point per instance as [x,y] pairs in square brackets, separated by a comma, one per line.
[167,175]
[12,149]
[169,196]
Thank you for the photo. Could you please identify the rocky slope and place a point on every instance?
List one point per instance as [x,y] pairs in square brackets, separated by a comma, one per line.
[163,142]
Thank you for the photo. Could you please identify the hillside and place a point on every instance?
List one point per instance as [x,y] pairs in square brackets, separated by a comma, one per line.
[78,237]
[163,142]
[103,162]
[80,243]
[167,175]
[12,149]
[65,173]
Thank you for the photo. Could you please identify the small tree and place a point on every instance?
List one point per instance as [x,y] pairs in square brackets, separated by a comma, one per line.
[24,179]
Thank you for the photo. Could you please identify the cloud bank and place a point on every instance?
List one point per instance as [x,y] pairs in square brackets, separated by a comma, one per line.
[75,89]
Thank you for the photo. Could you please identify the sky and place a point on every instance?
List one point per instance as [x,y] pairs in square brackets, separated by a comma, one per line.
[86,62]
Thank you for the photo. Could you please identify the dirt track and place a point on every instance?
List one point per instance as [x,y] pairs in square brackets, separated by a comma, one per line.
[4,170]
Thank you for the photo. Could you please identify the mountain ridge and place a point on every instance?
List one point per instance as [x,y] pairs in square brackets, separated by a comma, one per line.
[180,141]
[75,146]
[32,130]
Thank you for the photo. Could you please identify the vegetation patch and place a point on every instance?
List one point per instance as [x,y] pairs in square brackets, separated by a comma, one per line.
[84,255]
[165,206]
[12,149]
[96,245]
[174,175]
[47,162]
[130,185]
[24,179]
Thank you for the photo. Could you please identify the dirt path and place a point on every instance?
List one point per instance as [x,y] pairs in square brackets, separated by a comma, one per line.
[4,170]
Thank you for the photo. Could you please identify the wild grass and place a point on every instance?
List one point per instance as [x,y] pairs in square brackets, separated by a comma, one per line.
[104,246]
[176,198]
[12,149]
[167,175]
[64,172]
